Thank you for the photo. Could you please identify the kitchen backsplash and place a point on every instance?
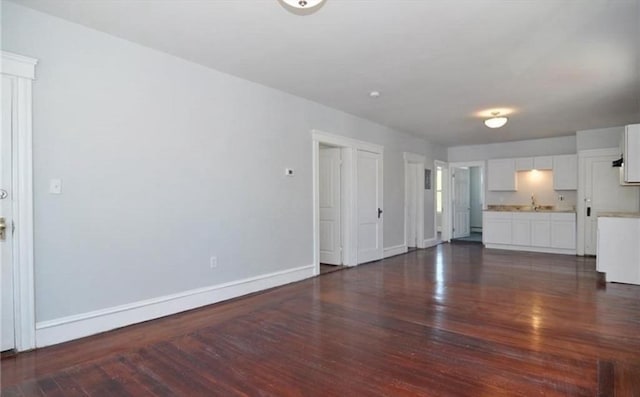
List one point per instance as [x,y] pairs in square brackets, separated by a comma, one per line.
[538,183]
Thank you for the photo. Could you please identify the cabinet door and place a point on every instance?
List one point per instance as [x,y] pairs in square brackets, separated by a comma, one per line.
[563,234]
[632,153]
[501,175]
[521,231]
[496,228]
[565,172]
[541,232]
[524,164]
[543,163]
[563,231]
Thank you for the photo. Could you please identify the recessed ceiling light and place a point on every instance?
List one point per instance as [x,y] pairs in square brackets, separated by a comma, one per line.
[374,94]
[495,121]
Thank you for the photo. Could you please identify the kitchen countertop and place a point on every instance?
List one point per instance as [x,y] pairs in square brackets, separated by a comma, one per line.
[528,208]
[619,215]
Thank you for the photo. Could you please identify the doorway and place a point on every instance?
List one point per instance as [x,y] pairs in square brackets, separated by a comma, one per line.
[16,204]
[467,191]
[601,191]
[352,234]
[330,201]
[415,179]
[441,207]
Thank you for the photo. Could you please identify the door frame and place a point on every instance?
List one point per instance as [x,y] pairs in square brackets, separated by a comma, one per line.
[341,199]
[444,235]
[469,164]
[420,161]
[349,221]
[582,182]
[21,70]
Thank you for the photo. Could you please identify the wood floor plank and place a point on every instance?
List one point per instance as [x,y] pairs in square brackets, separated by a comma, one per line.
[453,320]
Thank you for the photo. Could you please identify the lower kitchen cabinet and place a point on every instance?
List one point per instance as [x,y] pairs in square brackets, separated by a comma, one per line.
[530,231]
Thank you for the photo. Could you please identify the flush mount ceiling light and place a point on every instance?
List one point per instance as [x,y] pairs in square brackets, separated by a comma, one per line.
[374,94]
[302,5]
[495,121]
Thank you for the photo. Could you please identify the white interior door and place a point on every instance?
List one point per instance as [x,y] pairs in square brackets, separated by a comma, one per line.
[369,196]
[329,200]
[8,328]
[412,206]
[603,192]
[461,202]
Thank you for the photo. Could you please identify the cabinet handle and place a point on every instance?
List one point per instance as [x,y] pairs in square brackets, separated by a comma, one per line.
[588,211]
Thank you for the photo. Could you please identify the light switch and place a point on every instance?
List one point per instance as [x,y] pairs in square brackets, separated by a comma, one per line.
[55,186]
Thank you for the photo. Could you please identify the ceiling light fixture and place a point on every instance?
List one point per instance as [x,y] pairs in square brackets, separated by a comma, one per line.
[495,121]
[374,94]
[303,4]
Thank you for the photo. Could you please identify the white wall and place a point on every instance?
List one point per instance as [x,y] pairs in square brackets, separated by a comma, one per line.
[532,147]
[599,139]
[164,163]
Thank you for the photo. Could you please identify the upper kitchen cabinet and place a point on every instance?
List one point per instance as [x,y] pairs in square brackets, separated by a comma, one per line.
[565,172]
[632,153]
[534,163]
[501,175]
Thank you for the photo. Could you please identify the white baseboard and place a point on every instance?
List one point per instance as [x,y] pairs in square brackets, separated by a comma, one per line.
[395,250]
[77,326]
[547,250]
[430,242]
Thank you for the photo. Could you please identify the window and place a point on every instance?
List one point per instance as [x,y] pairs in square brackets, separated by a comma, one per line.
[439,190]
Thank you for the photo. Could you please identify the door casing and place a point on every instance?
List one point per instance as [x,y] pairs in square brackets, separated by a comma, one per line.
[349,220]
[449,200]
[21,70]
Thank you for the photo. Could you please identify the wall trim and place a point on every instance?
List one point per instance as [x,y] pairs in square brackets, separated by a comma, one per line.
[528,248]
[80,325]
[18,65]
[342,141]
[395,250]
[431,242]
[21,71]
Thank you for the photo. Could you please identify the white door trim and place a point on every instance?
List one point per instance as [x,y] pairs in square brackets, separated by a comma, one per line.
[22,69]
[449,201]
[420,161]
[445,233]
[580,205]
[350,148]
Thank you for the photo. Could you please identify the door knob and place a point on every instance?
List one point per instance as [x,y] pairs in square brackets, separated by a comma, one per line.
[3,194]
[3,229]
[379,213]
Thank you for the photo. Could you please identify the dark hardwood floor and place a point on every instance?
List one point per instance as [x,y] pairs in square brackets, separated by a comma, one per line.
[455,320]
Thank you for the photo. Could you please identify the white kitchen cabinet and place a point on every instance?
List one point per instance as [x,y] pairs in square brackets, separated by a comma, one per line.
[543,163]
[496,227]
[541,231]
[632,153]
[553,232]
[534,163]
[501,175]
[618,248]
[563,230]
[520,231]
[524,164]
[565,172]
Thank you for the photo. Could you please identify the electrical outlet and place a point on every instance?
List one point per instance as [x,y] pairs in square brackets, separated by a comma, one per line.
[213,262]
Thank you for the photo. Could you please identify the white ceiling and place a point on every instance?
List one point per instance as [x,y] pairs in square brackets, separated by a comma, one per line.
[560,65]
